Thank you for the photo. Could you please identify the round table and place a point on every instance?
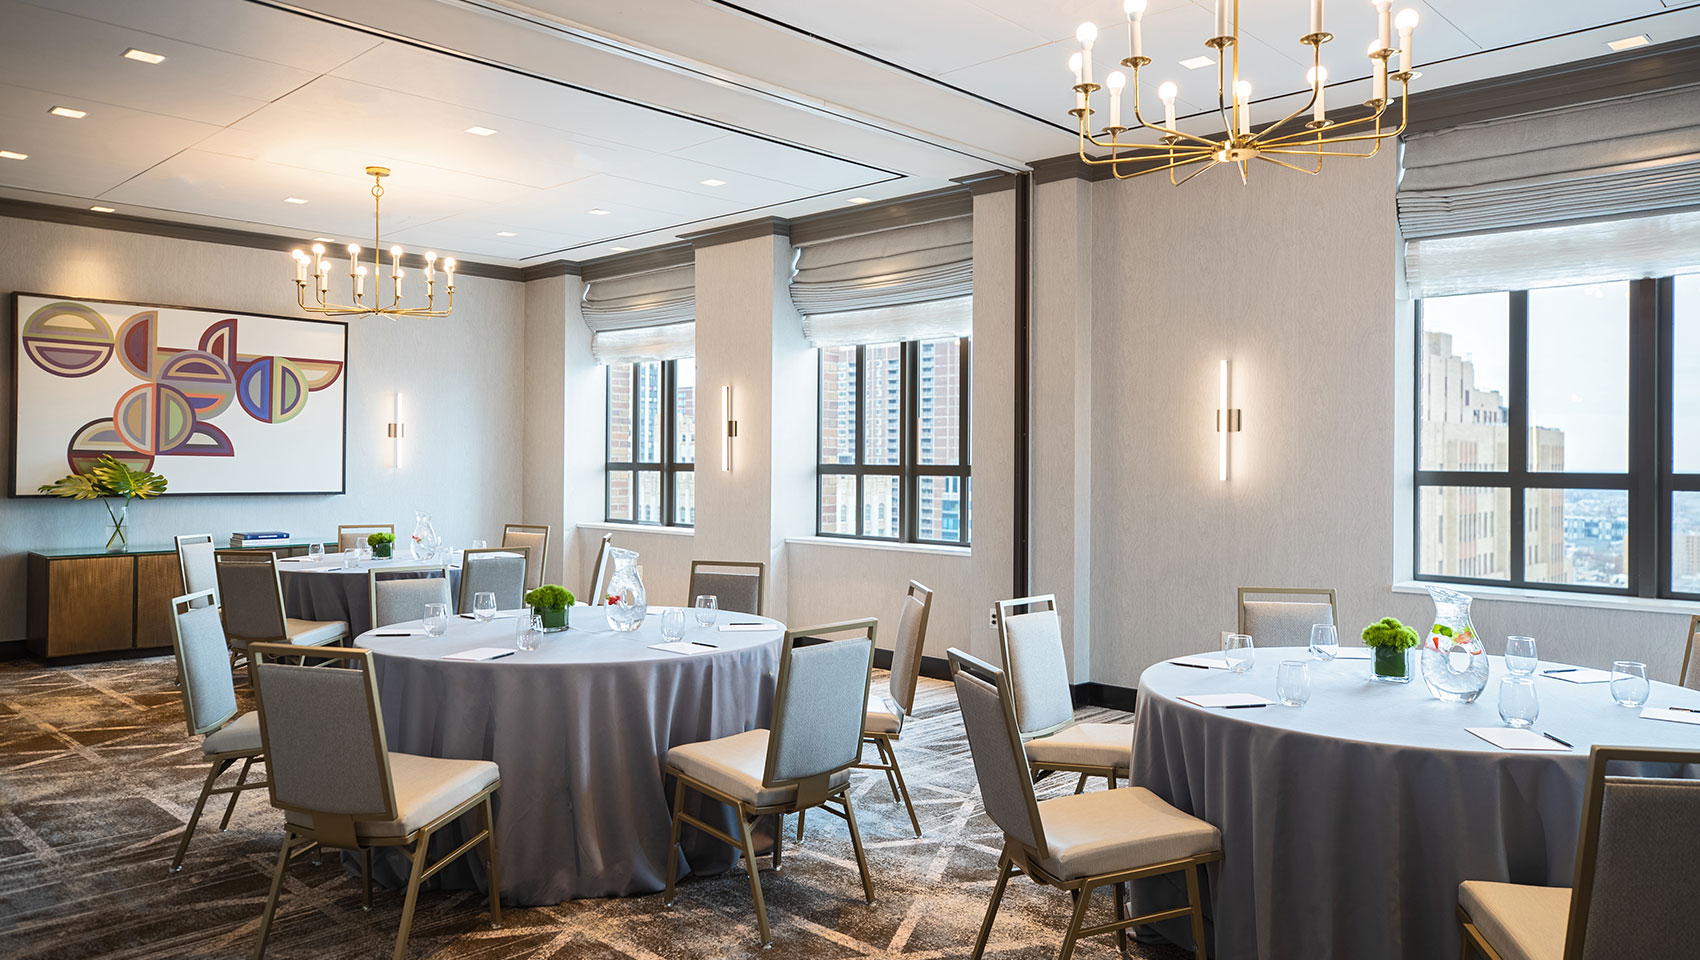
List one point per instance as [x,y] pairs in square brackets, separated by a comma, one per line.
[580,728]
[1348,823]
[328,590]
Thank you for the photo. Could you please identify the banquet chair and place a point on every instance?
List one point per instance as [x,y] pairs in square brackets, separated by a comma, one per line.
[195,563]
[353,535]
[1284,623]
[1044,704]
[338,784]
[598,573]
[1634,888]
[1690,676]
[884,723]
[253,605]
[209,706]
[535,536]
[398,594]
[1075,843]
[496,570]
[803,762]
[737,591]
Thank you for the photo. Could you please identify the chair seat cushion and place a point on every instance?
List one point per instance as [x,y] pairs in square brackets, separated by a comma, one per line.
[425,789]
[734,765]
[1106,831]
[241,735]
[883,717]
[1084,744]
[315,633]
[1520,922]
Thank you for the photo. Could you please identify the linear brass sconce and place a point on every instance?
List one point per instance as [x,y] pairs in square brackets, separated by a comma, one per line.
[729,428]
[1227,421]
[396,430]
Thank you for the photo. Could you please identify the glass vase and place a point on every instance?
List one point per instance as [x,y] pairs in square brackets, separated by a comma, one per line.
[627,605]
[425,539]
[1390,665]
[1455,664]
[117,536]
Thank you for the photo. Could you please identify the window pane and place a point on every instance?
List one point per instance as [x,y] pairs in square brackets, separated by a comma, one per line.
[938,409]
[938,509]
[685,410]
[619,494]
[1577,536]
[685,498]
[1464,382]
[879,506]
[620,413]
[968,527]
[882,418]
[838,405]
[1464,532]
[838,504]
[648,399]
[1685,419]
[649,496]
[1685,541]
[1579,378]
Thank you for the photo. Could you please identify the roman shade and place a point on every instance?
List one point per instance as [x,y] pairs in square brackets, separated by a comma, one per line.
[640,310]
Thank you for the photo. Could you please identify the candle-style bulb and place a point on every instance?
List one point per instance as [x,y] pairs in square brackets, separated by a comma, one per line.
[449,264]
[1074,67]
[395,252]
[1087,34]
[1407,19]
[318,249]
[1407,24]
[1115,81]
[430,256]
[1242,95]
[1318,79]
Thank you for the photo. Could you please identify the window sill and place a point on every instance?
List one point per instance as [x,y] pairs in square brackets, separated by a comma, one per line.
[1557,598]
[855,544]
[642,528]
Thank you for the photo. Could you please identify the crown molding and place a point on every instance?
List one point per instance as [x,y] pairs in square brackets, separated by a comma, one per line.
[991,181]
[733,233]
[1069,166]
[947,203]
[647,260]
[544,271]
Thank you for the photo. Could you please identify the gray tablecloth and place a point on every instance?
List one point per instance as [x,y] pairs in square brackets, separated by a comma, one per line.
[580,728]
[1348,823]
[326,591]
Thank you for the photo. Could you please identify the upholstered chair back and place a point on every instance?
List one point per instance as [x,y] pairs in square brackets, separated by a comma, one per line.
[1000,762]
[1033,658]
[911,637]
[400,593]
[353,536]
[819,706]
[1284,622]
[252,595]
[195,562]
[203,661]
[323,741]
[596,596]
[738,586]
[535,536]
[495,570]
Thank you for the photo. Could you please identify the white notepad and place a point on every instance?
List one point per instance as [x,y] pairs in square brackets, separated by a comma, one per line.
[1666,713]
[684,647]
[1227,700]
[481,653]
[1578,674]
[1212,660]
[1514,738]
[744,627]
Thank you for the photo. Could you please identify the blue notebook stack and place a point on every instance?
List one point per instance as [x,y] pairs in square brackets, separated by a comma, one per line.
[252,537]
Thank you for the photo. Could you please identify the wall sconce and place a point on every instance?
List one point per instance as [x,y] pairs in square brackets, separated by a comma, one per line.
[729,428]
[396,429]
[1227,421]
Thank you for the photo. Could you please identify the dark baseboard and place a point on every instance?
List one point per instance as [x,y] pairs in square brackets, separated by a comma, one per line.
[19,650]
[1108,695]
[13,650]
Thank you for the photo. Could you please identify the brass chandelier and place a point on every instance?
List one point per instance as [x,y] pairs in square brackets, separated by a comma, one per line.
[1242,143]
[312,272]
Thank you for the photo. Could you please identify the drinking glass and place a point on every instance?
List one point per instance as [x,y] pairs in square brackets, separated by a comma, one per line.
[484,606]
[707,604]
[1518,705]
[672,623]
[1629,683]
[1238,651]
[436,619]
[479,544]
[365,551]
[528,631]
[1292,682]
[1324,642]
[315,552]
[1520,657]
[348,557]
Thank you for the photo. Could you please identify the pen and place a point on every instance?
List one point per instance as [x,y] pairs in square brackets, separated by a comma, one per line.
[1195,666]
[699,643]
[501,655]
[1242,706]
[1548,673]
[392,634]
[1684,709]
[1556,740]
[745,623]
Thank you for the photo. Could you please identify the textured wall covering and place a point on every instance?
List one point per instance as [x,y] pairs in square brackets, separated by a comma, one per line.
[460,377]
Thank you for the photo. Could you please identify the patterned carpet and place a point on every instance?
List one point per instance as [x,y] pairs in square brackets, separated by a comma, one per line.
[97,778]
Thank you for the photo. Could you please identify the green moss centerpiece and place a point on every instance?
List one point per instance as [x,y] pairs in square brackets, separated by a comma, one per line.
[114,484]
[382,544]
[550,602]
[1392,642]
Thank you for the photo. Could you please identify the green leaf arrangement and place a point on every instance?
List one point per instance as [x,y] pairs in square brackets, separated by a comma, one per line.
[1389,632]
[108,477]
[380,537]
[550,597]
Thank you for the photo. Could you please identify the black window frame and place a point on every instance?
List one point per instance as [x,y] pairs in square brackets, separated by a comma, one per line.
[669,467]
[909,469]
[1649,479]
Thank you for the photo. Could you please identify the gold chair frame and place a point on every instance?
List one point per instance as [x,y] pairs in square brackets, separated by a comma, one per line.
[761,579]
[1018,858]
[269,559]
[882,742]
[542,558]
[462,600]
[1587,847]
[595,597]
[1688,651]
[339,830]
[1086,770]
[373,573]
[362,528]
[812,792]
[1242,592]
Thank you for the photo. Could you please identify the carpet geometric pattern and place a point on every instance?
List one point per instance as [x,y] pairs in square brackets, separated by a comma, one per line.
[97,778]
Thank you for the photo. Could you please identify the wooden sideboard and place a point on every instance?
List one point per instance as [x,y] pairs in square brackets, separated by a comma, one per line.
[91,601]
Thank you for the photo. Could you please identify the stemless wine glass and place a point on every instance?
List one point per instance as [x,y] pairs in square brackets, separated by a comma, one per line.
[484,606]
[672,623]
[479,544]
[1629,685]
[707,604]
[1292,682]
[1520,656]
[315,552]
[436,619]
[1238,651]
[348,557]
[1324,642]
[1518,705]
[528,631]
[365,551]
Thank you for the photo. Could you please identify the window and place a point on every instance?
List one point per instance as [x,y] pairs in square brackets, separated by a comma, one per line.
[652,442]
[894,461]
[1574,413]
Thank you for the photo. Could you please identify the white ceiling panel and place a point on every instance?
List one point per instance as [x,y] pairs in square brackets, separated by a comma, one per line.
[812,170]
[939,35]
[245,29]
[1503,24]
[74,156]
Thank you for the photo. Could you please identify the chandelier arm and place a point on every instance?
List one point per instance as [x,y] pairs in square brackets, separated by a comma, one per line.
[1330,153]
[1305,108]
[1195,173]
[1375,117]
[1204,146]
[1291,166]
[1171,165]
[1221,103]
[1163,130]
[1154,151]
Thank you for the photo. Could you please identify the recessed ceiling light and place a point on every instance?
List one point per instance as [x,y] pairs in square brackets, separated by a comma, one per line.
[858,200]
[68,113]
[619,249]
[9,155]
[597,212]
[480,131]
[103,210]
[1197,63]
[323,240]
[143,56]
[293,200]
[711,182]
[1628,42]
[506,233]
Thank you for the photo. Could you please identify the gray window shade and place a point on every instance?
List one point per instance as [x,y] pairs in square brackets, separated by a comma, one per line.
[641,314]
[1627,249]
[903,280]
[674,341]
[933,320]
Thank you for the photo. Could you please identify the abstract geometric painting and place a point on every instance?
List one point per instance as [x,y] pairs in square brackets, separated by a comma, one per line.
[215,401]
